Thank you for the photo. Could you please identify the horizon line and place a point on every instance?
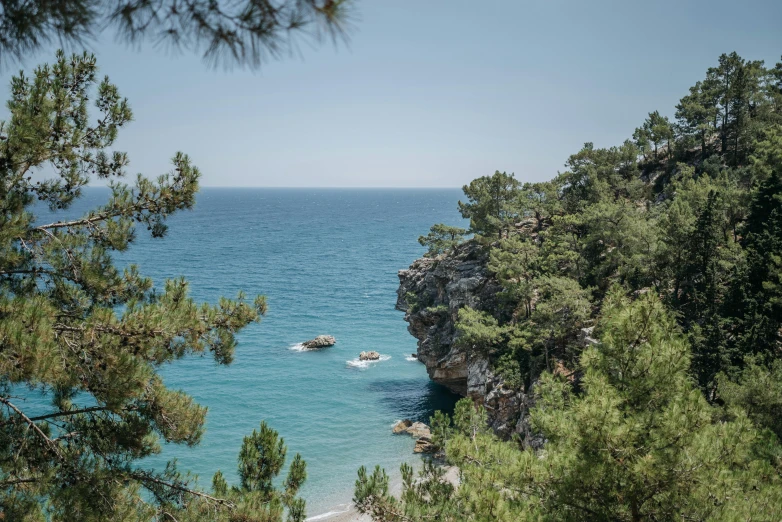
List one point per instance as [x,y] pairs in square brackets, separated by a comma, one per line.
[305,188]
[327,187]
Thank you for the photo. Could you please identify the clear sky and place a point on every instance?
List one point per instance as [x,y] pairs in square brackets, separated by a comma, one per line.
[432,93]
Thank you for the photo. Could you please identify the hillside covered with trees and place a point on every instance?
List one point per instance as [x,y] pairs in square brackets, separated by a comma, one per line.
[668,249]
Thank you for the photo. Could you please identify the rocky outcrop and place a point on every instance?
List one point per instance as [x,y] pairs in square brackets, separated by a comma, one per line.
[420,431]
[402,426]
[368,356]
[424,445]
[431,292]
[321,341]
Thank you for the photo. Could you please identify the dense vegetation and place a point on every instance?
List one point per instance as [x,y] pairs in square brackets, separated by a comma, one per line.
[91,337]
[669,247]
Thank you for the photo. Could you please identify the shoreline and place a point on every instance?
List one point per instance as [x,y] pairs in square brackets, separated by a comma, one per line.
[348,512]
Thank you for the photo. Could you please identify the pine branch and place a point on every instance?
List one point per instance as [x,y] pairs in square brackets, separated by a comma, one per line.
[145,477]
[49,442]
[67,413]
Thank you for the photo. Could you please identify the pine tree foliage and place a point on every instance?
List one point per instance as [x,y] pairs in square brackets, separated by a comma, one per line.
[669,247]
[245,32]
[89,335]
[637,441]
[441,238]
[489,205]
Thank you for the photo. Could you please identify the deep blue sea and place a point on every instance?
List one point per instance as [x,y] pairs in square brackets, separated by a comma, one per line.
[327,260]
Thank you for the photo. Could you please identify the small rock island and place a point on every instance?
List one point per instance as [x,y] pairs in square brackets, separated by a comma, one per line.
[321,341]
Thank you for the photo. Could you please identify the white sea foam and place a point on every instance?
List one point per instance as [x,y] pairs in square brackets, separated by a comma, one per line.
[411,358]
[357,363]
[329,514]
[298,347]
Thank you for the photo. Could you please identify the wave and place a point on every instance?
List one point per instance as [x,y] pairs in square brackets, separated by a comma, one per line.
[298,347]
[329,514]
[411,358]
[357,363]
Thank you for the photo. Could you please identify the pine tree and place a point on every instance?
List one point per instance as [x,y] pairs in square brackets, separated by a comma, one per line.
[638,442]
[245,33]
[89,335]
[491,204]
[696,114]
[256,498]
[441,238]
[656,130]
[761,286]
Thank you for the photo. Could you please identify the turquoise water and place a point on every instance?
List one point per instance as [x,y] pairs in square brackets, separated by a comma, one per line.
[327,260]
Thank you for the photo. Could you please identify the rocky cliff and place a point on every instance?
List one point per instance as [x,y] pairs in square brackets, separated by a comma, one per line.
[431,292]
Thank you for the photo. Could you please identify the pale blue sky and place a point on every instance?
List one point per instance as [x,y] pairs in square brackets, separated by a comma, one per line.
[432,93]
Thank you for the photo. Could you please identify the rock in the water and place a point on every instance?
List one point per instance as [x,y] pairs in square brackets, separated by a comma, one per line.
[424,445]
[369,356]
[419,429]
[320,341]
[401,426]
[414,355]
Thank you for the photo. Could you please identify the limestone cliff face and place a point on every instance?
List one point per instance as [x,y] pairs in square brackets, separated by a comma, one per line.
[431,292]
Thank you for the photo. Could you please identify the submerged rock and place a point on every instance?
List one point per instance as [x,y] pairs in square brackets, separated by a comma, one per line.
[321,341]
[369,356]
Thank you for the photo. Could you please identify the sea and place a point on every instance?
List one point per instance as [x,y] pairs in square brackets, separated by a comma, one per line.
[327,261]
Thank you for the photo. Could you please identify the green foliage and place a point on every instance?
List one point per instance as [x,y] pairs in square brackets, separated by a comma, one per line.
[639,442]
[767,155]
[681,227]
[441,238]
[245,33]
[478,330]
[88,335]
[696,116]
[758,290]
[758,392]
[490,204]
[412,302]
[510,369]
[675,414]
[424,497]
[514,263]
[656,130]
[256,499]
[563,309]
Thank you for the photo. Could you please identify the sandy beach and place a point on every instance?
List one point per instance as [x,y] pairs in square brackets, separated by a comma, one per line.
[348,512]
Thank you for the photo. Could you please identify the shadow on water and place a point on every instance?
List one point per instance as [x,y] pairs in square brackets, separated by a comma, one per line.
[414,399]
